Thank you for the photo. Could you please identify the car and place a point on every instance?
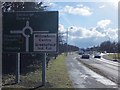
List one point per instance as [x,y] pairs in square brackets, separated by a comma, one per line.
[97,55]
[85,56]
[80,52]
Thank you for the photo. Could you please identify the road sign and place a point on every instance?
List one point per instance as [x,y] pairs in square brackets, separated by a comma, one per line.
[45,42]
[20,29]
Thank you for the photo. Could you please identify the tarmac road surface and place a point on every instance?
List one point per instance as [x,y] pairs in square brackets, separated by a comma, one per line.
[83,77]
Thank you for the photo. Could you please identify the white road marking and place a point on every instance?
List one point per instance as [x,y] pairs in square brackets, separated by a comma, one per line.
[84,76]
[72,64]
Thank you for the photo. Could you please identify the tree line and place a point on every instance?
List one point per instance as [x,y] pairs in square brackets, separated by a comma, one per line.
[108,46]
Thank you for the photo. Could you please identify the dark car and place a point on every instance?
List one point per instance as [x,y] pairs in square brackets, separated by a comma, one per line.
[80,53]
[97,56]
[85,56]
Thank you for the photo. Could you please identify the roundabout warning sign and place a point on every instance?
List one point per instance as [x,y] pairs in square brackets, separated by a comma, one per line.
[30,31]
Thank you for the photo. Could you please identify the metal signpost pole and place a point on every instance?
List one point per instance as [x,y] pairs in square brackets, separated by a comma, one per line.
[0,45]
[18,68]
[44,71]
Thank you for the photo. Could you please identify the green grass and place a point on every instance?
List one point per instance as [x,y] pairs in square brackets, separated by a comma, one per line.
[57,73]
[56,76]
[114,56]
[32,76]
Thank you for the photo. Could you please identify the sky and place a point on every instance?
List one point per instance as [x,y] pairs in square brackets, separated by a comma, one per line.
[88,23]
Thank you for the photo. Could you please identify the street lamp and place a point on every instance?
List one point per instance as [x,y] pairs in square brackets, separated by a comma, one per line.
[67,42]
[67,48]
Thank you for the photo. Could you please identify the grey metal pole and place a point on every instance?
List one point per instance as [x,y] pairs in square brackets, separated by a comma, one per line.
[67,43]
[0,45]
[44,71]
[18,68]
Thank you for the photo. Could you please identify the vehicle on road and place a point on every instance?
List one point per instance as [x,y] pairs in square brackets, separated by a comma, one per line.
[80,52]
[85,56]
[97,55]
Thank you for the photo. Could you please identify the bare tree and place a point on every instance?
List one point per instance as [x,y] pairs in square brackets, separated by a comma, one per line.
[23,6]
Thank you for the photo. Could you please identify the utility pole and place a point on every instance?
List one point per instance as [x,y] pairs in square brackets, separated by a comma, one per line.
[67,49]
[67,43]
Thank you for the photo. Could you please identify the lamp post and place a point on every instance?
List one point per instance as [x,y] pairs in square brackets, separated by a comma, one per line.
[67,42]
[67,46]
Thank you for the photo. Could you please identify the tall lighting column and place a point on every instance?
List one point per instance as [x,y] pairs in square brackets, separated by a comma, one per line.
[67,49]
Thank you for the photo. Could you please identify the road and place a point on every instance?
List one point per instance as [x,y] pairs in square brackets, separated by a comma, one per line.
[107,68]
[83,77]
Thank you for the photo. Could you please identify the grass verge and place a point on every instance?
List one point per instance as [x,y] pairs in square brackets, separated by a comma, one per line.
[57,73]
[114,56]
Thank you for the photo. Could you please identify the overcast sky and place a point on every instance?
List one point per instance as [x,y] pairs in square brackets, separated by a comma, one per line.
[88,23]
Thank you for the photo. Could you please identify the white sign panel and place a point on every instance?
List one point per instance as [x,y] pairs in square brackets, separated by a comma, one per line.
[45,42]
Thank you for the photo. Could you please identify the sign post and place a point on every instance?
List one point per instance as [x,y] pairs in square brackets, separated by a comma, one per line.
[18,68]
[0,44]
[44,71]
[30,32]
